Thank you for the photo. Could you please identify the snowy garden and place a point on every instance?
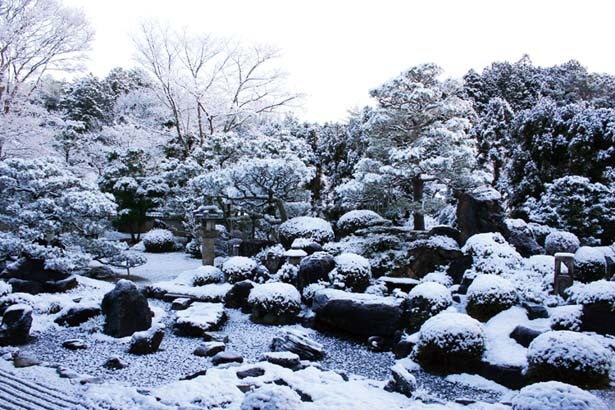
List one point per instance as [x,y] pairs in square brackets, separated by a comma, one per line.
[172,236]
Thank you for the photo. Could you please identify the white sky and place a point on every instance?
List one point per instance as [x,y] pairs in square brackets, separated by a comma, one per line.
[336,50]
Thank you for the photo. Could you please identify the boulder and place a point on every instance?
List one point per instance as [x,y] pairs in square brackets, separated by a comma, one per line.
[237,297]
[285,359]
[296,341]
[74,344]
[126,310]
[250,372]
[535,311]
[115,363]
[524,335]
[314,268]
[226,357]
[361,315]
[146,342]
[100,272]
[181,303]
[512,377]
[428,254]
[599,318]
[209,349]
[519,235]
[21,359]
[199,318]
[30,276]
[403,382]
[16,324]
[77,315]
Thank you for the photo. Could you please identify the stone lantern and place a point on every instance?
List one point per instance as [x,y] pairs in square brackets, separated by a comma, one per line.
[295,255]
[208,216]
[562,281]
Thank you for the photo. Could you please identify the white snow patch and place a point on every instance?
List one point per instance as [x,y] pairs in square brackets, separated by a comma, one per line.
[476,381]
[500,348]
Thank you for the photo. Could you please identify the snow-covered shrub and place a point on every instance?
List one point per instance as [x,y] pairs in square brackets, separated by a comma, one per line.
[159,240]
[589,264]
[287,274]
[451,342]
[491,254]
[489,295]
[310,290]
[540,232]
[193,248]
[205,275]
[272,257]
[271,397]
[305,227]
[440,277]
[566,317]
[569,357]
[306,244]
[352,272]
[358,219]
[378,289]
[561,241]
[426,300]
[5,288]
[555,396]
[274,303]
[600,291]
[238,268]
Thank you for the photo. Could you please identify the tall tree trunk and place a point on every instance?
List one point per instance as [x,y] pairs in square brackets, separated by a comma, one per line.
[418,186]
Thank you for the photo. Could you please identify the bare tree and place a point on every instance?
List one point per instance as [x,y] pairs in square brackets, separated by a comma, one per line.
[37,36]
[210,84]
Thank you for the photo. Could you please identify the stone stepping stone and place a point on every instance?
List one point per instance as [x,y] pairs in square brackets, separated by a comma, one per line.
[226,357]
[209,349]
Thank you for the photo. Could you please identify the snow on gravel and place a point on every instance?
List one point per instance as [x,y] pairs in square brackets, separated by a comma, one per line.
[164,266]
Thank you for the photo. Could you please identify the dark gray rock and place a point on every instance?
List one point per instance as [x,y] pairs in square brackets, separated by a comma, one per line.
[30,276]
[181,303]
[535,311]
[226,357]
[77,315]
[21,359]
[377,343]
[74,344]
[509,376]
[358,314]
[521,237]
[100,272]
[115,363]
[146,342]
[402,382]
[295,341]
[403,348]
[237,297]
[524,335]
[599,318]
[209,349]
[16,323]
[126,310]
[285,359]
[251,372]
[428,254]
[313,268]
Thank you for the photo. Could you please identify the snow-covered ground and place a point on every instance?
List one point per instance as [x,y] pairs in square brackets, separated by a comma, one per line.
[163,266]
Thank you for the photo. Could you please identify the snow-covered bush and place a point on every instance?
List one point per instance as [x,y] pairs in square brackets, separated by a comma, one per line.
[426,300]
[193,248]
[540,232]
[5,288]
[378,289]
[310,290]
[600,291]
[308,227]
[271,397]
[358,219]
[440,277]
[566,317]
[274,303]
[272,257]
[489,295]
[352,272]
[555,396]
[238,268]
[589,264]
[159,240]
[491,254]
[287,274]
[205,275]
[561,241]
[450,341]
[569,357]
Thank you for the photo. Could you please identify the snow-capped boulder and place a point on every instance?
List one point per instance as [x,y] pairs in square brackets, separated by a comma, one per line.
[428,254]
[489,295]
[555,396]
[159,240]
[206,275]
[126,310]
[589,264]
[450,342]
[569,357]
[518,234]
[16,323]
[402,380]
[76,315]
[352,272]
[357,219]
[424,301]
[308,227]
[199,318]
[314,268]
[298,342]
[561,241]
[238,268]
[147,341]
[271,397]
[29,275]
[358,314]
[438,277]
[479,211]
[275,303]
[237,296]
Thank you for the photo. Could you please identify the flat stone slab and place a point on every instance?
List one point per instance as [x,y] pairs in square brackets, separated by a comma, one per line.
[209,349]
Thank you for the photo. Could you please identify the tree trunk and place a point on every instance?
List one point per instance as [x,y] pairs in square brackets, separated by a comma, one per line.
[282,210]
[418,186]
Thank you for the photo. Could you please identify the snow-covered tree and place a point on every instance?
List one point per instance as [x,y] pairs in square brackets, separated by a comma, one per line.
[50,213]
